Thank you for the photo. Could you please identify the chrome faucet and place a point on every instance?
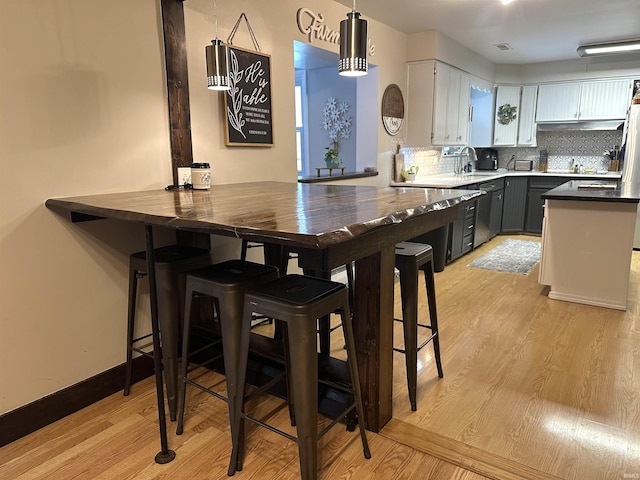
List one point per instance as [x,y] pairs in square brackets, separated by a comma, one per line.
[472,156]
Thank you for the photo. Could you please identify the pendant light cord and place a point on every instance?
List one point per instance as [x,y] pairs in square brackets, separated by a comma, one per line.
[215,15]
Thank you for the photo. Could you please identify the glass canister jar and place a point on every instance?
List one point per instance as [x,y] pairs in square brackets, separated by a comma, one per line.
[201,176]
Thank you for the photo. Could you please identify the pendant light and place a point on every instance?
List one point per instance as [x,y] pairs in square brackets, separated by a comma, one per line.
[217,60]
[353,45]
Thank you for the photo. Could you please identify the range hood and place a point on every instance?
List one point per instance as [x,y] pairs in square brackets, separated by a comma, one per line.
[581,126]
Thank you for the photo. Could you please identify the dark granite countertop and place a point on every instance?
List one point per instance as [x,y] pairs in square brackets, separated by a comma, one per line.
[594,190]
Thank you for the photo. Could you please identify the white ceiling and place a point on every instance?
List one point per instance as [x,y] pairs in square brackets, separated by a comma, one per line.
[537,30]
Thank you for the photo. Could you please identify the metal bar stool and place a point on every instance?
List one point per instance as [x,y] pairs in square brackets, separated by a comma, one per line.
[170,261]
[298,301]
[227,283]
[410,258]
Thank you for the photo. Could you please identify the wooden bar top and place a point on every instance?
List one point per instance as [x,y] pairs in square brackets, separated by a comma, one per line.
[303,215]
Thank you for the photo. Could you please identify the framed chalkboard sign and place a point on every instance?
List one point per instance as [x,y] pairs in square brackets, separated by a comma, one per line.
[247,104]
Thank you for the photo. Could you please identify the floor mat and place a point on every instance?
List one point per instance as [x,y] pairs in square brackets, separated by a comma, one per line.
[514,256]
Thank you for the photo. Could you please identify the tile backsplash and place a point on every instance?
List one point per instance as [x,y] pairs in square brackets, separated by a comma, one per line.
[584,147]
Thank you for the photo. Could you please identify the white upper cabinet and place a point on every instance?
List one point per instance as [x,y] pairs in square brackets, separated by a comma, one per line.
[588,100]
[605,100]
[441,104]
[558,102]
[505,129]
[451,113]
[437,105]
[420,103]
[464,107]
[527,120]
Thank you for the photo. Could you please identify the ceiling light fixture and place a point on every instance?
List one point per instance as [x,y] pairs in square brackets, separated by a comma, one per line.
[353,45]
[217,60]
[506,2]
[609,48]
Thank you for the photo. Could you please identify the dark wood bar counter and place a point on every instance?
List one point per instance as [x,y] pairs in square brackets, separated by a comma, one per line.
[328,225]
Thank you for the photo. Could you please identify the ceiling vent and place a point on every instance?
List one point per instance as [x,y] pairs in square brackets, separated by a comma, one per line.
[502,46]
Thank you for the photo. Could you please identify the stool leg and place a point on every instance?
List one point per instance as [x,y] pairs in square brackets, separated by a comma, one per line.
[350,284]
[433,314]
[131,318]
[233,349]
[287,367]
[237,425]
[324,326]
[168,318]
[186,334]
[409,294]
[304,377]
[355,378]
[243,250]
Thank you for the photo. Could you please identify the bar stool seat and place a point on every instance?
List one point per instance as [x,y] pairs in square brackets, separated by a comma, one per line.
[227,283]
[298,301]
[171,261]
[410,259]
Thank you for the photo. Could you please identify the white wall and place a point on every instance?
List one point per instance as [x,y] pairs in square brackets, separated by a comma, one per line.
[323,83]
[83,110]
[597,67]
[432,45]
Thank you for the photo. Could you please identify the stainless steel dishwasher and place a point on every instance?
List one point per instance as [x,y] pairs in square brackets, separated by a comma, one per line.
[483,217]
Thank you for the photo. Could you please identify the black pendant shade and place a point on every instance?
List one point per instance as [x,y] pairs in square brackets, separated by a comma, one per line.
[217,65]
[353,46]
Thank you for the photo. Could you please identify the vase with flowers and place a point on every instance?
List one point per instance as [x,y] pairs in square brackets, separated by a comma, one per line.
[337,123]
[331,158]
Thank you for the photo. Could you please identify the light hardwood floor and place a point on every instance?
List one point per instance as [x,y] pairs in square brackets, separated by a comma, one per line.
[533,388]
[539,387]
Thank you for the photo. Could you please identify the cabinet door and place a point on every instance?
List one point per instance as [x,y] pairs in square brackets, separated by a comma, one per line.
[464,104]
[497,200]
[527,123]
[440,104]
[506,134]
[419,105]
[605,100]
[558,102]
[535,209]
[453,107]
[513,208]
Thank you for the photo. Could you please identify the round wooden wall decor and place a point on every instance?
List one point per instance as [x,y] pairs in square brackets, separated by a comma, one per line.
[392,109]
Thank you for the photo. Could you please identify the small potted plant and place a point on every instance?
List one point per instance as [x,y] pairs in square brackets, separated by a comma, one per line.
[331,157]
[410,173]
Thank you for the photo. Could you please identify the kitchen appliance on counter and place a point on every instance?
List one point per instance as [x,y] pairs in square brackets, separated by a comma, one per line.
[523,165]
[487,159]
[631,166]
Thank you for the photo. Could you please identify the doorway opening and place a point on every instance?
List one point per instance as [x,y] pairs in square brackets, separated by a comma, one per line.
[317,85]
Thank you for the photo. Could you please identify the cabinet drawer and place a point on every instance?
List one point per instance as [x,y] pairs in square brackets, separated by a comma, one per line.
[469,210]
[469,223]
[467,243]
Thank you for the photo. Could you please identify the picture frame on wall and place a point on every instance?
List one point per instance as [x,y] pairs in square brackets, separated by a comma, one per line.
[247,104]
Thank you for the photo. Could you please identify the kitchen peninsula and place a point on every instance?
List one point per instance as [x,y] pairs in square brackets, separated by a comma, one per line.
[587,240]
[513,203]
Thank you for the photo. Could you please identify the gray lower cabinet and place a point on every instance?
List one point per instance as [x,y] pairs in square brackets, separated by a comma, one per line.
[462,230]
[535,204]
[514,205]
[495,220]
